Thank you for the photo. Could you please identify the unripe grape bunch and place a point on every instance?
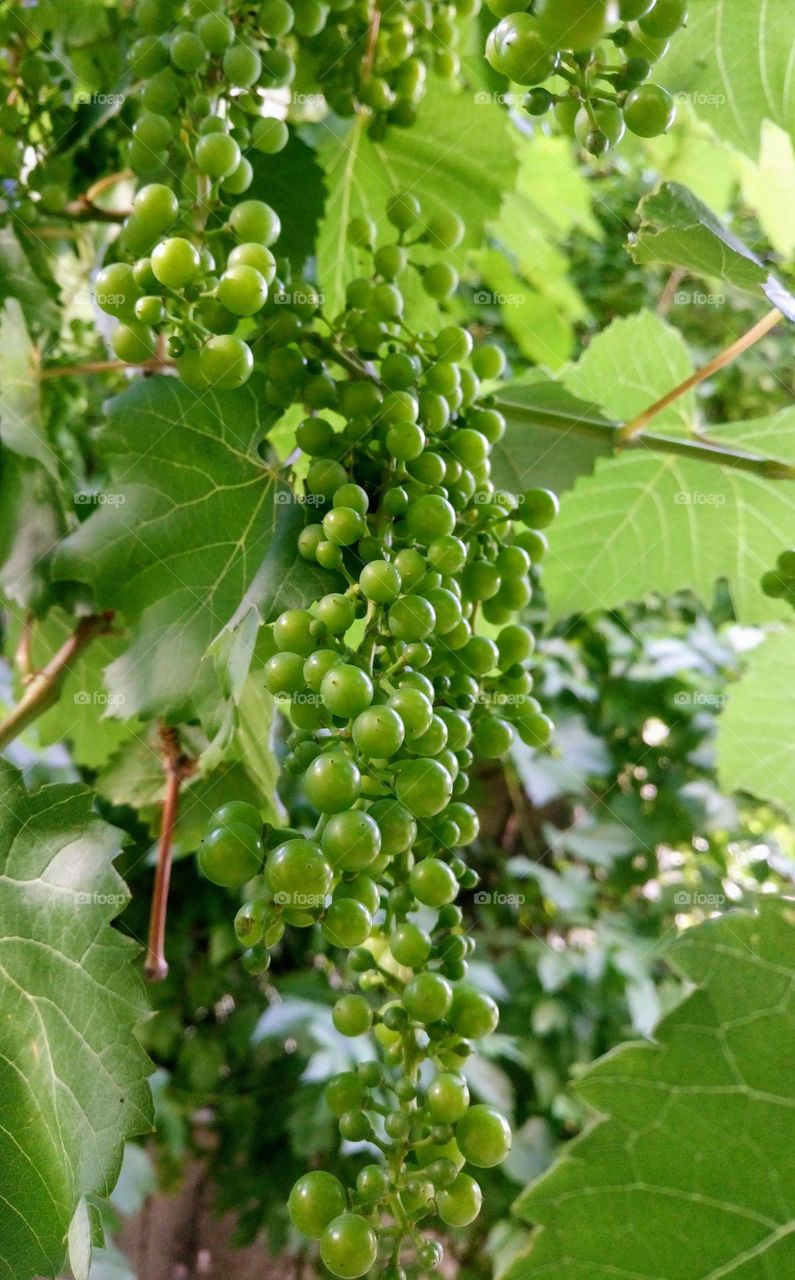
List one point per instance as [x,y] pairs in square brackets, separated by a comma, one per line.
[599,55]
[194,259]
[394,684]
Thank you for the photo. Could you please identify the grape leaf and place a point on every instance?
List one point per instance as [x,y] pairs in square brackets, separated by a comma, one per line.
[535,321]
[689,1171]
[31,522]
[651,521]
[458,155]
[733,62]
[188,519]
[679,230]
[756,731]
[72,1075]
[544,442]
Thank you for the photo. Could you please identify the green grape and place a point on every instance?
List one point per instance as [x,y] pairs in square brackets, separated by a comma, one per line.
[231,854]
[351,841]
[348,1246]
[447,1097]
[332,782]
[410,945]
[427,997]
[517,49]
[432,882]
[351,1015]
[473,1014]
[315,1200]
[176,262]
[254,221]
[459,1203]
[242,290]
[573,24]
[663,19]
[649,111]
[226,362]
[484,1136]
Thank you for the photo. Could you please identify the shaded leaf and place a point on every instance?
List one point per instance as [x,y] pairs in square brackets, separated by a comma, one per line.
[689,1174]
[756,731]
[72,1074]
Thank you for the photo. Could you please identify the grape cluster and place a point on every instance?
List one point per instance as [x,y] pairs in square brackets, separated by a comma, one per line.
[779,583]
[394,684]
[374,60]
[194,258]
[602,51]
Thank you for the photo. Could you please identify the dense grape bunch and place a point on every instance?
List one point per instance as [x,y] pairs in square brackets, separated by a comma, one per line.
[599,56]
[394,684]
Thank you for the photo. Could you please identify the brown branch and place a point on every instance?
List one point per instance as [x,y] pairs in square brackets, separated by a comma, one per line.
[44,688]
[23,655]
[372,40]
[177,766]
[669,292]
[742,344]
[103,366]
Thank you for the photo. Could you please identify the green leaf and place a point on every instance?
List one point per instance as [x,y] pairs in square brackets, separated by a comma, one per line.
[769,188]
[544,443]
[458,155]
[535,321]
[756,732]
[188,519]
[630,365]
[679,230]
[650,521]
[688,1173]
[72,1075]
[733,62]
[31,522]
[25,274]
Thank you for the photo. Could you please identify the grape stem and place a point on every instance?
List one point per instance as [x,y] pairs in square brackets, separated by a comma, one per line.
[768,322]
[177,766]
[44,687]
[155,365]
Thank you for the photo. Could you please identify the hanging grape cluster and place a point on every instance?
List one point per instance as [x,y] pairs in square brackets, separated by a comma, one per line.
[779,583]
[602,53]
[394,684]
